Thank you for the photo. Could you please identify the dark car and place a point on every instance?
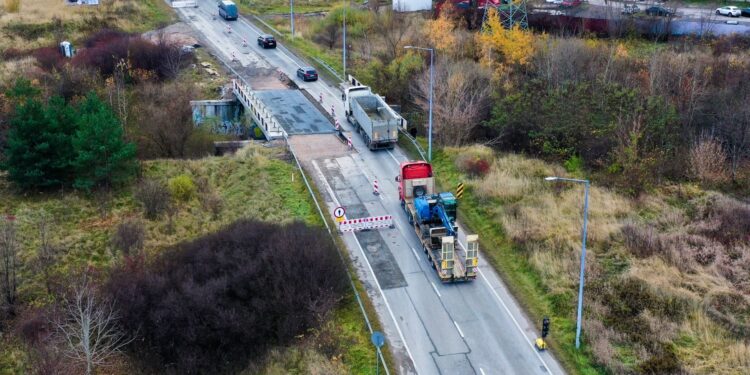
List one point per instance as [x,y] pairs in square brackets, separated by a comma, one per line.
[267,41]
[745,12]
[659,11]
[307,73]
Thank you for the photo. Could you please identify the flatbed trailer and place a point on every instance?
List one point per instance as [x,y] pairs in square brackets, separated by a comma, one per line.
[452,262]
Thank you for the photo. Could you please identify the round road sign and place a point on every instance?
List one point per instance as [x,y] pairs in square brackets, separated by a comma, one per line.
[377,339]
[339,212]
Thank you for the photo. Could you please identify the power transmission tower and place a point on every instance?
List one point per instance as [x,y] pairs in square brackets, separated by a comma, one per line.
[511,12]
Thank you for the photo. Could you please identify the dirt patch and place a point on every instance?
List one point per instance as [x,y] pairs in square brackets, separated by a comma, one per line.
[179,33]
[318,146]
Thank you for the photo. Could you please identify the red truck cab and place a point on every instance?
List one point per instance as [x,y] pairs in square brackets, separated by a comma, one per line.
[414,179]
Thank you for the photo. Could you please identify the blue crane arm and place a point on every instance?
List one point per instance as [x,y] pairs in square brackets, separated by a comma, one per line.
[447,223]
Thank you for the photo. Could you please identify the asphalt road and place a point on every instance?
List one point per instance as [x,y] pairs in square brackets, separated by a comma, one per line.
[431,328]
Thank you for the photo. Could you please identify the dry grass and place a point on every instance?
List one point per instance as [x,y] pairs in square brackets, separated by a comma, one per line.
[676,247]
[12,6]
[706,349]
[128,15]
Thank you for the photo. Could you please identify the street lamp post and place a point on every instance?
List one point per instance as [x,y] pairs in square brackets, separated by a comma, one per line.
[586,184]
[432,80]
[344,43]
[291,15]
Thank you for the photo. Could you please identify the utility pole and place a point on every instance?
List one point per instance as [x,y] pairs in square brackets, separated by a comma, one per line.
[432,80]
[291,15]
[344,46]
[579,314]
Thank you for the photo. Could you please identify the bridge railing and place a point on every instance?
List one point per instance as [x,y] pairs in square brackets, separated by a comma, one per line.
[258,110]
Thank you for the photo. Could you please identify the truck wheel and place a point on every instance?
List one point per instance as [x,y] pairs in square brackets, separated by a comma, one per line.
[424,248]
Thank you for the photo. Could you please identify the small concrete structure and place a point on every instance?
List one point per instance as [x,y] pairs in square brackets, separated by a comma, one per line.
[224,116]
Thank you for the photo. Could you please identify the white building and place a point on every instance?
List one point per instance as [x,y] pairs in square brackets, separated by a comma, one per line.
[411,5]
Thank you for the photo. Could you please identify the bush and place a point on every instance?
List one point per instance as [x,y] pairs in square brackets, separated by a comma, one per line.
[129,237]
[475,162]
[209,305]
[182,188]
[154,197]
[708,161]
[12,6]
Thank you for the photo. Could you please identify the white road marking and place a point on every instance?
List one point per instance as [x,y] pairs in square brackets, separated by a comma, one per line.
[372,272]
[415,254]
[497,296]
[459,329]
[481,371]
[393,157]
[438,293]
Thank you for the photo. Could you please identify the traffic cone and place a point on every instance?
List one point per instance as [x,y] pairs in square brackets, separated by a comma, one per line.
[375,189]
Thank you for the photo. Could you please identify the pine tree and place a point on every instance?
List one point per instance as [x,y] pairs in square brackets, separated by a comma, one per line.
[103,158]
[39,151]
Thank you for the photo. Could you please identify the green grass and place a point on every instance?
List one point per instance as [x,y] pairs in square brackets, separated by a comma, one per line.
[263,7]
[255,184]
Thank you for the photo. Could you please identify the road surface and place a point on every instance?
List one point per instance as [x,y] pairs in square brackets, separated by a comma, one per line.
[431,328]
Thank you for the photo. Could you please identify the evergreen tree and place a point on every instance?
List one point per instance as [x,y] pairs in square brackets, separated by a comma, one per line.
[39,151]
[103,158]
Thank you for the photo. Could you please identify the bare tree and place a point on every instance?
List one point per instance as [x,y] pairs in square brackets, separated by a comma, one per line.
[47,252]
[166,119]
[89,329]
[392,27]
[9,254]
[461,99]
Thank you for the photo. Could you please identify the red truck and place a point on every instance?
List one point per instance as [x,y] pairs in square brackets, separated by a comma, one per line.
[433,217]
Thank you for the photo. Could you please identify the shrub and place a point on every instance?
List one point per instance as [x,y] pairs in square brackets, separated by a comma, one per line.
[129,237]
[642,242]
[12,6]
[574,164]
[474,161]
[212,203]
[182,188]
[154,197]
[209,305]
[708,161]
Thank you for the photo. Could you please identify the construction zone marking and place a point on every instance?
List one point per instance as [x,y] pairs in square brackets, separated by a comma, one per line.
[364,223]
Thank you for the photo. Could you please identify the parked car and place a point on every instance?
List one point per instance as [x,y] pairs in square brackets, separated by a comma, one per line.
[630,9]
[307,73]
[729,11]
[267,41]
[660,11]
[228,10]
[556,2]
[570,3]
[745,12]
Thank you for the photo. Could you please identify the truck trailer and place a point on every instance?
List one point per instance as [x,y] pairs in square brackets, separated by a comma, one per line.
[433,216]
[371,117]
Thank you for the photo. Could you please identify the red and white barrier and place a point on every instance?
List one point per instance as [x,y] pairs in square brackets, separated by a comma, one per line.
[244,42]
[374,222]
[338,125]
[375,189]
[229,29]
[349,142]
[234,58]
[333,113]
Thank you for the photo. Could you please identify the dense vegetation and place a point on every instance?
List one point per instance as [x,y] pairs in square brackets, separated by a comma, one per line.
[89,215]
[208,305]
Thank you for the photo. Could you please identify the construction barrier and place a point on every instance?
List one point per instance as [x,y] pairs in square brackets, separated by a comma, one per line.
[374,222]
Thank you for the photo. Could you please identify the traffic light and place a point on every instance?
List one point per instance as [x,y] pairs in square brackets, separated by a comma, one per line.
[545,327]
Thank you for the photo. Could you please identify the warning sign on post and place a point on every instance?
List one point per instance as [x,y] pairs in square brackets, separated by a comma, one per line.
[339,213]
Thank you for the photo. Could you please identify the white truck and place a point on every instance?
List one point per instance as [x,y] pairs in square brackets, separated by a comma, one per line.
[371,117]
